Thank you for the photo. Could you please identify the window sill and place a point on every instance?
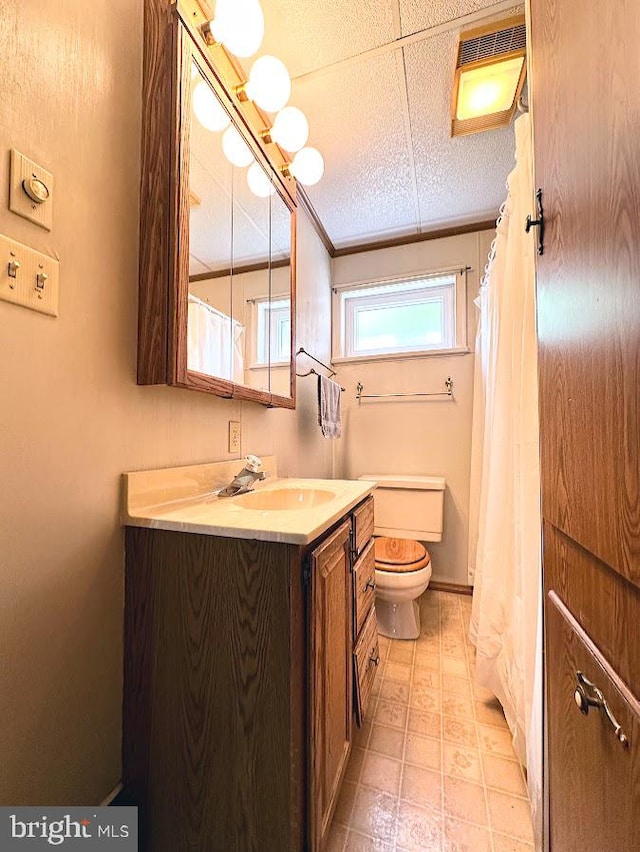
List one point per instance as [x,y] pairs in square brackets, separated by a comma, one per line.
[400,356]
[274,365]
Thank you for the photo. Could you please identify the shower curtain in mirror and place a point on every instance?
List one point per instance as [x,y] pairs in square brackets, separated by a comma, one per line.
[505,541]
[214,342]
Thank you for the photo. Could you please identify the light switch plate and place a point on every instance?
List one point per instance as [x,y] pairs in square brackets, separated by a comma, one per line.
[27,288]
[234,436]
[22,168]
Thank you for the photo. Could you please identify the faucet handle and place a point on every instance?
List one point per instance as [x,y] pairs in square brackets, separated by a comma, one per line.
[253,463]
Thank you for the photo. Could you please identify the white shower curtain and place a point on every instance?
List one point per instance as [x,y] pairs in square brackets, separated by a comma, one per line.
[214,342]
[506,613]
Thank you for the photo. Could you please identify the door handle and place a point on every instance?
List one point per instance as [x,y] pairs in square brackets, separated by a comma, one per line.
[588,695]
[369,585]
[537,223]
[374,659]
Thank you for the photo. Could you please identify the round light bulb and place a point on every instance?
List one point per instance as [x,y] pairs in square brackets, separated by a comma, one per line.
[208,109]
[269,84]
[290,129]
[307,166]
[239,26]
[235,148]
[259,183]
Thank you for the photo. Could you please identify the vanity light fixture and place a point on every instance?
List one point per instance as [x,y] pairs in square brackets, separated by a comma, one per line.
[238,25]
[236,30]
[307,166]
[235,148]
[208,109]
[290,129]
[489,76]
[269,84]
[259,183]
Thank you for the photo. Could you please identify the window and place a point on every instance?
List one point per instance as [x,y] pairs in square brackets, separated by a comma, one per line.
[273,343]
[424,313]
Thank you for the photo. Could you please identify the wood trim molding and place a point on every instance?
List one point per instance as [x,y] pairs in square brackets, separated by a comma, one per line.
[155,216]
[452,588]
[238,270]
[408,239]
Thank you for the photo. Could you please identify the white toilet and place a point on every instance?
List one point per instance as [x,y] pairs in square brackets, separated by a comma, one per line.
[408,510]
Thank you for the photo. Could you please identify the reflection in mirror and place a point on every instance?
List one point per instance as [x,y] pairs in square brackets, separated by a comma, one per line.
[280,307]
[250,282]
[239,314]
[213,338]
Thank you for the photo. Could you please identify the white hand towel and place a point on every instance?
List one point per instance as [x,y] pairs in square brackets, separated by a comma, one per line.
[329,407]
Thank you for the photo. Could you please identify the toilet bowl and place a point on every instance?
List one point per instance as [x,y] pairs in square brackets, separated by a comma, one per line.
[403,571]
[408,510]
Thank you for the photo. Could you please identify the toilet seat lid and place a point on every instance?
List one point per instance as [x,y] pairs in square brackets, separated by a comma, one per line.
[400,554]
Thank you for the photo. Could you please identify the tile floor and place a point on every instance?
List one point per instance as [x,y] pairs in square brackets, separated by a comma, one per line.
[433,769]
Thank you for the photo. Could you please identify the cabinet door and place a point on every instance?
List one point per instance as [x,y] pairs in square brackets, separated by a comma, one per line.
[594,805]
[330,679]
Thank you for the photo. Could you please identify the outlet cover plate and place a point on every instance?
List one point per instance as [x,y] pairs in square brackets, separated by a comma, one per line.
[22,168]
[22,289]
[234,436]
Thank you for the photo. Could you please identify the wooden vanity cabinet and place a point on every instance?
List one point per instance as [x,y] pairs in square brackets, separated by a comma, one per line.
[366,653]
[330,680]
[238,688]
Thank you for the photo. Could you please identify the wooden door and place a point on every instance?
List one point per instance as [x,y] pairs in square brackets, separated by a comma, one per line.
[330,667]
[586,117]
[603,767]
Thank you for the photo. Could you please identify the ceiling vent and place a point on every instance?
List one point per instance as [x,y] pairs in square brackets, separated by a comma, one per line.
[489,76]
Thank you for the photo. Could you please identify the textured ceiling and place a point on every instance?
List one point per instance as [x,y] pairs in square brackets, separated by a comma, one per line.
[416,15]
[357,123]
[375,80]
[460,178]
[309,34]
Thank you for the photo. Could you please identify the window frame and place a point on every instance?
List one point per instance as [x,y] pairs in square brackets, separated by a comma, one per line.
[342,336]
[263,306]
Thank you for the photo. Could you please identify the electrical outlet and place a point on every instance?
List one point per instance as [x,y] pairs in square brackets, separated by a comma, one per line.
[234,436]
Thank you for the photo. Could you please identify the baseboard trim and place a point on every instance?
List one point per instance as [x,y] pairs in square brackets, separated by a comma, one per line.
[452,588]
[112,795]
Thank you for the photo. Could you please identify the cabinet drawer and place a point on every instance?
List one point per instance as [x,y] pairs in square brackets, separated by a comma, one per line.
[366,657]
[362,525]
[364,572]
[592,773]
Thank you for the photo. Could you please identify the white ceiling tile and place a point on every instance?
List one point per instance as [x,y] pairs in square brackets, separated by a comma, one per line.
[312,34]
[459,178]
[417,15]
[355,113]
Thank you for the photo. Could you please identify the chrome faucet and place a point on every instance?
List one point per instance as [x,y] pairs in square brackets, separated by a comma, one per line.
[246,479]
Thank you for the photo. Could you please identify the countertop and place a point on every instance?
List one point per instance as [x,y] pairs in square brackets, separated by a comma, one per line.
[180,499]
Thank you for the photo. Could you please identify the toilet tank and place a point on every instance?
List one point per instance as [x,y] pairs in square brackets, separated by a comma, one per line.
[408,506]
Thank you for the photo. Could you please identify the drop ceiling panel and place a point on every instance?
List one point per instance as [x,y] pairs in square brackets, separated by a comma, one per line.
[309,35]
[355,114]
[417,15]
[458,179]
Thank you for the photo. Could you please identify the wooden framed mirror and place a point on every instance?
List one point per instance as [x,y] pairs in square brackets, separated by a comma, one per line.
[217,262]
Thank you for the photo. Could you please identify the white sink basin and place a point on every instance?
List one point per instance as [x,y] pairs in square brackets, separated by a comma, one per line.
[281,499]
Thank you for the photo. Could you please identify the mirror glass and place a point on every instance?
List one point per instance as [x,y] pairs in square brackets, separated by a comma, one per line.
[239,313]
[211,333]
[280,306]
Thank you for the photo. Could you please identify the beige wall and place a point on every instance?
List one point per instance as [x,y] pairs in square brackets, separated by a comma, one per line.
[71,416]
[416,436]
